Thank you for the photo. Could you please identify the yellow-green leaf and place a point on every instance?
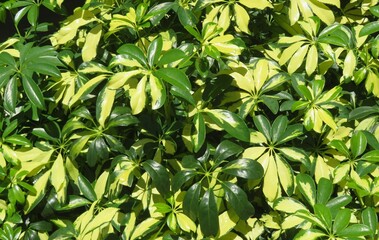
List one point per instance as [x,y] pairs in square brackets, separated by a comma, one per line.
[157,92]
[138,98]
[185,223]
[92,40]
[312,60]
[87,88]
[224,18]
[288,53]
[118,80]
[259,4]
[242,18]
[288,205]
[40,186]
[104,105]
[285,175]
[271,187]
[144,227]
[349,64]
[297,59]
[327,118]
[58,179]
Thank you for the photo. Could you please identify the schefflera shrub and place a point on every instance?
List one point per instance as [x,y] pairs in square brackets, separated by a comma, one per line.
[189,119]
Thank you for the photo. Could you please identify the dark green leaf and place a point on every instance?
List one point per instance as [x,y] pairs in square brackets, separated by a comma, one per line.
[238,200]
[46,69]
[33,92]
[175,77]
[183,94]
[358,143]
[208,214]
[20,14]
[226,149]
[324,190]
[159,175]
[10,95]
[73,202]
[244,168]
[156,13]
[41,226]
[191,201]
[123,121]
[154,51]
[41,133]
[186,17]
[214,88]
[278,127]
[133,52]
[230,122]
[182,177]
[263,125]
[86,188]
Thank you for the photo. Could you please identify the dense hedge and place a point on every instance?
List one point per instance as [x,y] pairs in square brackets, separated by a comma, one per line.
[189,119]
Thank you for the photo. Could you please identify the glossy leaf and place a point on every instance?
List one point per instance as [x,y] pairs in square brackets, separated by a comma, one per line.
[238,200]
[159,175]
[230,122]
[244,168]
[208,214]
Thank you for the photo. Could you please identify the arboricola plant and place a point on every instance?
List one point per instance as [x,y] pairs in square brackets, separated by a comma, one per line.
[189,119]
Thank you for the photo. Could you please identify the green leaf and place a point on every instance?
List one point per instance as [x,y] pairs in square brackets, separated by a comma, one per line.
[133,52]
[33,14]
[244,168]
[363,112]
[18,140]
[358,143]
[338,202]
[171,56]
[341,220]
[238,200]
[263,126]
[337,34]
[370,219]
[186,17]
[324,190]
[10,95]
[33,92]
[355,230]
[230,122]
[157,92]
[86,188]
[154,51]
[191,201]
[340,146]
[175,77]
[226,149]
[159,175]
[372,156]
[323,213]
[182,177]
[156,13]
[307,187]
[369,28]
[73,202]
[208,214]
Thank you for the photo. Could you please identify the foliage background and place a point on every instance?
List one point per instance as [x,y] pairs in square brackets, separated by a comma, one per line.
[189,119]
